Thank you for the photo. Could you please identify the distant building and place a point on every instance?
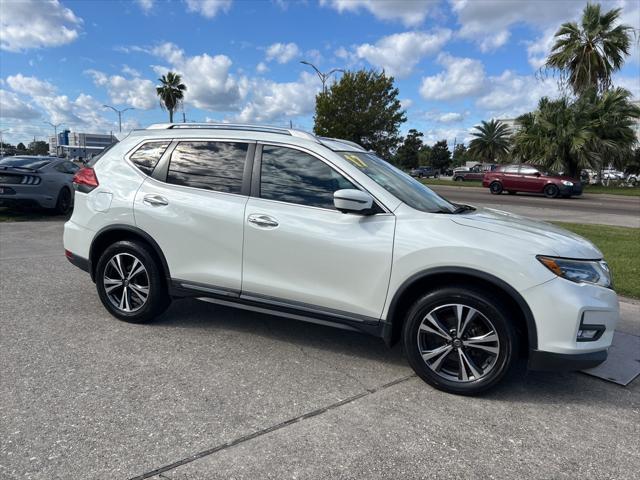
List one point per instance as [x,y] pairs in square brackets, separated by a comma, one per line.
[79,145]
[637,123]
[511,123]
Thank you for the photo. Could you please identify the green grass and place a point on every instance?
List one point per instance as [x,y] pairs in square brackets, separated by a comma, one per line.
[621,249]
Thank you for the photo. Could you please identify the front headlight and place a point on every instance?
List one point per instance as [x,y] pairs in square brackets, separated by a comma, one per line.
[580,271]
[567,183]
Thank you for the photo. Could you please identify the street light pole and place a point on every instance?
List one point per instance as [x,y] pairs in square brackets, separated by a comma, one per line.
[324,76]
[119,112]
[55,132]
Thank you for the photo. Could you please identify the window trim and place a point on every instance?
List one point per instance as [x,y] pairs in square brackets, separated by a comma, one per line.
[160,173]
[127,156]
[257,172]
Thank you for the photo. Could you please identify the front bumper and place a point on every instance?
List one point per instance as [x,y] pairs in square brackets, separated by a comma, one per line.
[576,189]
[561,308]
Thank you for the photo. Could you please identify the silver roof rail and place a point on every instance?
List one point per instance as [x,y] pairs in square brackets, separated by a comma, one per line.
[235,126]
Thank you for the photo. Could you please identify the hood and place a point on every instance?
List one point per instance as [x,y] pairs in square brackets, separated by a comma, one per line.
[546,238]
[564,177]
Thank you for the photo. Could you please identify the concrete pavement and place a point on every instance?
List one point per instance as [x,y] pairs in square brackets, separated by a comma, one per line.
[601,209]
[208,392]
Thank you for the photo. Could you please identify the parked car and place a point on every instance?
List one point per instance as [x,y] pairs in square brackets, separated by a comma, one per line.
[424,172]
[37,181]
[474,173]
[528,178]
[317,229]
[611,174]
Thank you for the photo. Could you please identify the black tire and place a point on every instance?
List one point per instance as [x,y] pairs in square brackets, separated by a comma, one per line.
[157,299]
[443,301]
[64,203]
[495,188]
[551,191]
[511,192]
[458,179]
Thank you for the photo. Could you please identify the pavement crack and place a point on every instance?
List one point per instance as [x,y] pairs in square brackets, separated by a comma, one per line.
[278,426]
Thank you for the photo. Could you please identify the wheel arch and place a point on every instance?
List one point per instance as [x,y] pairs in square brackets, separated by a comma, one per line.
[430,279]
[115,233]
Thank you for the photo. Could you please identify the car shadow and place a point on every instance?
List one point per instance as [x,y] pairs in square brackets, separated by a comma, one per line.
[520,385]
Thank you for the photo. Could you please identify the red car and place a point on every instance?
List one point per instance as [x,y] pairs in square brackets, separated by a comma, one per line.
[527,178]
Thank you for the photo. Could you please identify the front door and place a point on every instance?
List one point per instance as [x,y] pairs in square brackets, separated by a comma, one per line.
[299,250]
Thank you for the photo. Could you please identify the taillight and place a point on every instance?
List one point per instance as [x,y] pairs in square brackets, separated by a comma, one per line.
[85,180]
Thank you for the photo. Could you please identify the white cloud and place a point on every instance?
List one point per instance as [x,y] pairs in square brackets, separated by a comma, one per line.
[30,85]
[262,67]
[210,85]
[511,94]
[208,8]
[135,92]
[410,12]
[488,22]
[282,52]
[538,50]
[399,53]
[37,24]
[12,107]
[630,83]
[406,103]
[450,117]
[132,72]
[462,77]
[145,5]
[279,101]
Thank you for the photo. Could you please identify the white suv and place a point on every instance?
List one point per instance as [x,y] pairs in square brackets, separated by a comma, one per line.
[317,229]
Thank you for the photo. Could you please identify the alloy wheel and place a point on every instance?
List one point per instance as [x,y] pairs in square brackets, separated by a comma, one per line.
[458,343]
[126,282]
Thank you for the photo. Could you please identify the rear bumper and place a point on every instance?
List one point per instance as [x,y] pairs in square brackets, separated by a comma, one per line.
[539,360]
[81,263]
[19,195]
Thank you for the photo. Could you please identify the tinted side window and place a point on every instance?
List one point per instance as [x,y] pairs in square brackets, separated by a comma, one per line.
[214,166]
[511,169]
[292,176]
[147,156]
[528,171]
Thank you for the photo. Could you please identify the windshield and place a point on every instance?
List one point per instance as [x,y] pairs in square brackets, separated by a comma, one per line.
[398,183]
[25,162]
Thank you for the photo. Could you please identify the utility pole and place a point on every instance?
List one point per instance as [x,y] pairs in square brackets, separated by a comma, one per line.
[55,132]
[2,141]
[323,76]
[119,112]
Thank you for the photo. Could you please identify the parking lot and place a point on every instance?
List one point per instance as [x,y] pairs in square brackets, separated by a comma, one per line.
[209,392]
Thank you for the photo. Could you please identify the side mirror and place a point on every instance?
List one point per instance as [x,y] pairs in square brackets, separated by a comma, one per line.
[350,200]
[537,174]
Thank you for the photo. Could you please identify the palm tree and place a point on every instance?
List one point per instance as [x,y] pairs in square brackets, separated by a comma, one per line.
[171,92]
[591,132]
[492,141]
[588,54]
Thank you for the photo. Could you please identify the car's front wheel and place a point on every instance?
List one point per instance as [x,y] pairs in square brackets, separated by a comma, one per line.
[130,283]
[495,188]
[459,340]
[551,191]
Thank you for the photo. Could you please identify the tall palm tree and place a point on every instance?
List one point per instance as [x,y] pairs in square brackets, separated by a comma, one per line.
[492,141]
[171,92]
[588,54]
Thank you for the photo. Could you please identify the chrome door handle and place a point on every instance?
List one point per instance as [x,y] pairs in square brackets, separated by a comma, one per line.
[155,200]
[262,220]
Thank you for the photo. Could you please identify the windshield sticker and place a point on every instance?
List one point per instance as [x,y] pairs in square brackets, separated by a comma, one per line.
[355,160]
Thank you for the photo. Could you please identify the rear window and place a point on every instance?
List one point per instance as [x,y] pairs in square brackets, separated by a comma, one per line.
[147,156]
[32,163]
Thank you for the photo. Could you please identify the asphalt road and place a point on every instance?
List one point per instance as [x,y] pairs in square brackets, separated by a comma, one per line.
[208,392]
[589,208]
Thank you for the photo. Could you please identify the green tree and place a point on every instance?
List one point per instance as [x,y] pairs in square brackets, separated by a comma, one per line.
[407,155]
[588,54]
[461,155]
[440,155]
[21,148]
[491,142]
[424,156]
[362,107]
[39,147]
[171,92]
[591,132]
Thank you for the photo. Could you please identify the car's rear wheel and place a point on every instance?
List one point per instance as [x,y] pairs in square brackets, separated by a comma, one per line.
[458,179]
[551,191]
[130,283]
[64,201]
[495,188]
[459,340]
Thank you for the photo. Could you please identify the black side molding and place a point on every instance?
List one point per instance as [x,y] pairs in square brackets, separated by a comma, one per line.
[550,361]
[81,263]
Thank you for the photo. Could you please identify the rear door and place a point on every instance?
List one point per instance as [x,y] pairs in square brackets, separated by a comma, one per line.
[300,251]
[531,179]
[193,206]
[510,177]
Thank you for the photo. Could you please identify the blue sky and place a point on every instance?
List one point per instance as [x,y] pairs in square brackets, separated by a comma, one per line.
[455,62]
